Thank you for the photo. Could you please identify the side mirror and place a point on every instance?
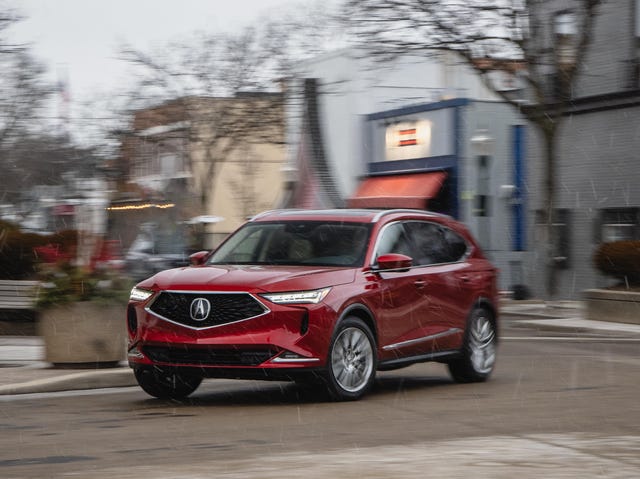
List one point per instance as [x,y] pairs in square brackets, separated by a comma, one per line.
[198,259]
[394,261]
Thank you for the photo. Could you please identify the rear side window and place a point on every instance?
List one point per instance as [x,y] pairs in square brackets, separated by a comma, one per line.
[436,244]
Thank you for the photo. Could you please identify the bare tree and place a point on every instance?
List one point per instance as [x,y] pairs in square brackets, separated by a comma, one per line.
[543,41]
[7,18]
[227,95]
[23,95]
[231,84]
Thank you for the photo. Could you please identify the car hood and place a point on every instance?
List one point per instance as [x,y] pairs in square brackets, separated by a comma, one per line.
[250,278]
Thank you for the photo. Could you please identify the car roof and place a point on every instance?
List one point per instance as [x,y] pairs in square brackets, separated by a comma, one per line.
[346,215]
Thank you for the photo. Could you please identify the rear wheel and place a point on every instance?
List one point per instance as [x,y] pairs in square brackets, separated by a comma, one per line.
[164,384]
[351,365]
[478,354]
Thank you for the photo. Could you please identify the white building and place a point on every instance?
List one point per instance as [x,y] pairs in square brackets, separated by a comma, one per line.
[417,132]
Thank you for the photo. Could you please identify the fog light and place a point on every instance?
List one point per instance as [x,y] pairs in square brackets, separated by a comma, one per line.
[135,353]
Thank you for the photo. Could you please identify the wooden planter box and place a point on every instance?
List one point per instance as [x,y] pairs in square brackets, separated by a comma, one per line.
[84,333]
[612,305]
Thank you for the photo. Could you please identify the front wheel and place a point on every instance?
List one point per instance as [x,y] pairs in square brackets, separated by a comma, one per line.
[351,365]
[166,384]
[478,354]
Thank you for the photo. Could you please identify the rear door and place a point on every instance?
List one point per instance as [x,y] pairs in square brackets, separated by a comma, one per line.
[448,291]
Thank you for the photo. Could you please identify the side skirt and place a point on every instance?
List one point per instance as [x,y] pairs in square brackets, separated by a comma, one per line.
[440,356]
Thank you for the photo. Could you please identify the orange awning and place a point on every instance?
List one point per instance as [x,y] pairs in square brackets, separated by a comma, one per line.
[398,191]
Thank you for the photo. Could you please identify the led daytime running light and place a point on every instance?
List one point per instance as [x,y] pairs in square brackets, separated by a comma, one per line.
[138,294]
[298,297]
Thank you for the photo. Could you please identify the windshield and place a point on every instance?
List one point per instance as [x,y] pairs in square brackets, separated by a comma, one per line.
[296,243]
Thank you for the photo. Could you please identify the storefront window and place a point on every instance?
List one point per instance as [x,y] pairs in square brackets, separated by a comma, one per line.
[619,224]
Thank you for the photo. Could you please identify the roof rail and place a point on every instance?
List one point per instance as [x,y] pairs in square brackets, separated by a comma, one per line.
[408,210]
[379,213]
[264,213]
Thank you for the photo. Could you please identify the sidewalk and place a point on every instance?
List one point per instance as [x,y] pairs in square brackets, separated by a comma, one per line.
[565,316]
[22,369]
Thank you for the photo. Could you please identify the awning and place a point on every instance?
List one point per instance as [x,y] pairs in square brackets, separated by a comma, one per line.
[398,191]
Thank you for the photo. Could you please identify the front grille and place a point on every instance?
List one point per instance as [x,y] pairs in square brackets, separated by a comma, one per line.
[225,308]
[209,356]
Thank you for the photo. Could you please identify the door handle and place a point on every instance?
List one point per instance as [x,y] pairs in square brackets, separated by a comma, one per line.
[465,278]
[420,283]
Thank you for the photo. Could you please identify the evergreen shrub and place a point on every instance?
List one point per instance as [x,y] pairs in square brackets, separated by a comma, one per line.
[620,260]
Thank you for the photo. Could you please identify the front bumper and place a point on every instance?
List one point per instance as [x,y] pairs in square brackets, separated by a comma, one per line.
[286,338]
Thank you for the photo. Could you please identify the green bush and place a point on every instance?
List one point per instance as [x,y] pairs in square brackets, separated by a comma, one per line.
[619,259]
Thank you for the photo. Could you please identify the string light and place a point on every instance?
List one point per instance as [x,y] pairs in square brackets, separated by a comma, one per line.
[141,207]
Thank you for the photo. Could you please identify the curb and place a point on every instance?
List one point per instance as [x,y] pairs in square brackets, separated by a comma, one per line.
[529,314]
[579,325]
[108,378]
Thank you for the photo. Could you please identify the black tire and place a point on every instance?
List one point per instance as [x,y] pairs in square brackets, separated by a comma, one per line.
[478,354]
[166,384]
[352,360]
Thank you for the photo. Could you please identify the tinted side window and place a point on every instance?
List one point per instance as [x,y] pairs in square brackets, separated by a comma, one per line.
[436,244]
[456,244]
[394,240]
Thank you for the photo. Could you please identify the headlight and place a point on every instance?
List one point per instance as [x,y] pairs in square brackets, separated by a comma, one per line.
[138,294]
[298,297]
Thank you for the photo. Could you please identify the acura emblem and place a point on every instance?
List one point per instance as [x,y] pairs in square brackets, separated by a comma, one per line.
[200,309]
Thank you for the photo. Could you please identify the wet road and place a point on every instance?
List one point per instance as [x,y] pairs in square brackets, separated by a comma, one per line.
[557,406]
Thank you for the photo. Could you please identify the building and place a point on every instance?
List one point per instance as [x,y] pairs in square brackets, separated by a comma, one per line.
[200,166]
[420,133]
[483,164]
[597,194]
[461,157]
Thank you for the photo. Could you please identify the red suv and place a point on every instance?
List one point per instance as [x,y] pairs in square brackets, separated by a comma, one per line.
[334,294]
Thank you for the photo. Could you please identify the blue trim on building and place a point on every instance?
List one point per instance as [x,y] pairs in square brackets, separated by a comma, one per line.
[457,140]
[519,196]
[415,165]
[409,110]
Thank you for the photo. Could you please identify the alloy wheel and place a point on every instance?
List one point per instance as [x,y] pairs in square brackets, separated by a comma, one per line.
[482,344]
[352,359]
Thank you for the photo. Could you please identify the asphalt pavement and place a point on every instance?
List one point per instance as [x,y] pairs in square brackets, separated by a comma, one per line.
[23,370]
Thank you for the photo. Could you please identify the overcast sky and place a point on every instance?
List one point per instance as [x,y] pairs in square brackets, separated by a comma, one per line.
[79,39]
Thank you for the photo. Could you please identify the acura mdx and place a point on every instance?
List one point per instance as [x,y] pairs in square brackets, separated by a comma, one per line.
[330,295]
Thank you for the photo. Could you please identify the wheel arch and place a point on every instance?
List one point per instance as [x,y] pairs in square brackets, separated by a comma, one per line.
[363,313]
[486,303]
